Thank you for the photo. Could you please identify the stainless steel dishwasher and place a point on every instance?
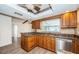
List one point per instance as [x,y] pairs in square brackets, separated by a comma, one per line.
[63,45]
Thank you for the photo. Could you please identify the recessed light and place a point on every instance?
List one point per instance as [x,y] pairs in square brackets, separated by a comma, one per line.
[67,11]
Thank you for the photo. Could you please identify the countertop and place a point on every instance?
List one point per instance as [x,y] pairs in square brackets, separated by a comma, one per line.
[57,35]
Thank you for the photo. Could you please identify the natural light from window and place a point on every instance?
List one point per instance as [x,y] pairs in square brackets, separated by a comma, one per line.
[51,25]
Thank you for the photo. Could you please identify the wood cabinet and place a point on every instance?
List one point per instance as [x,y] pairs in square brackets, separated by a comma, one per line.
[22,41]
[51,43]
[47,42]
[73,20]
[28,43]
[75,46]
[40,41]
[36,24]
[44,41]
[31,42]
[69,20]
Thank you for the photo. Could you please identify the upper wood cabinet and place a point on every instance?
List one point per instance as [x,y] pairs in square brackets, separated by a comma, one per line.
[36,24]
[69,20]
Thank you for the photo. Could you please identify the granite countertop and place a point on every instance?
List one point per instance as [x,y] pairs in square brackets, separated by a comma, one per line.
[57,35]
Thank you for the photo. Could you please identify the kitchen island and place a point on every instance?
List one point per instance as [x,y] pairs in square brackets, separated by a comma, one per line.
[32,40]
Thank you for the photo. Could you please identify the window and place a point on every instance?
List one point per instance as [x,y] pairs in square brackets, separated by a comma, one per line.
[51,25]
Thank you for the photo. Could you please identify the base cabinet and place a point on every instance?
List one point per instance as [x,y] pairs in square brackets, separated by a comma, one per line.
[53,44]
[47,42]
[75,45]
[30,42]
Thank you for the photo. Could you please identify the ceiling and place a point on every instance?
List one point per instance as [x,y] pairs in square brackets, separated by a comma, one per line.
[44,10]
[35,8]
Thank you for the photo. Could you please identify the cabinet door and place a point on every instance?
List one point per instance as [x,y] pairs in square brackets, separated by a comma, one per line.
[73,46]
[65,20]
[26,43]
[77,46]
[53,46]
[73,19]
[36,24]
[45,42]
[48,43]
[30,42]
[35,40]
[40,41]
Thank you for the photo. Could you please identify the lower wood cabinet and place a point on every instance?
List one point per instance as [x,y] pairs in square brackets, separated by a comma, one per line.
[47,42]
[44,41]
[28,42]
[53,44]
[22,41]
[31,42]
[75,46]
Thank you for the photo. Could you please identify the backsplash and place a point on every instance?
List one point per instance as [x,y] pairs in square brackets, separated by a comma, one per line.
[68,31]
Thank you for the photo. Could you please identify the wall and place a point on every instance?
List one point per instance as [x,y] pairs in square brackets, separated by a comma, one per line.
[65,31]
[68,31]
[22,28]
[5,30]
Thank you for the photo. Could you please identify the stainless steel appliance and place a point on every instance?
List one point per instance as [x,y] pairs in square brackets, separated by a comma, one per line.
[63,45]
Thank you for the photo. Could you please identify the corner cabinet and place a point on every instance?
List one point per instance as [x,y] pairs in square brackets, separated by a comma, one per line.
[36,24]
[69,20]
[28,42]
[32,41]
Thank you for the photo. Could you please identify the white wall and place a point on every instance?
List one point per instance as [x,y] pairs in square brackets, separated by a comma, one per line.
[65,31]
[22,28]
[5,30]
[68,31]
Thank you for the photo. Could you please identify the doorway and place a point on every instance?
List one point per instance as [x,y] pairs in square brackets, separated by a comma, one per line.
[15,33]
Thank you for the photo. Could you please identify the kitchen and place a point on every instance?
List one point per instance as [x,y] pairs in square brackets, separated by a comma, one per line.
[54,28]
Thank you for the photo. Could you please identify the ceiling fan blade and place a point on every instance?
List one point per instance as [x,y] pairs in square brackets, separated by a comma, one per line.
[25,21]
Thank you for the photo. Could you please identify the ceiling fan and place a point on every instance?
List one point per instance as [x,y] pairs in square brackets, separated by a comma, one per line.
[25,21]
[36,8]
